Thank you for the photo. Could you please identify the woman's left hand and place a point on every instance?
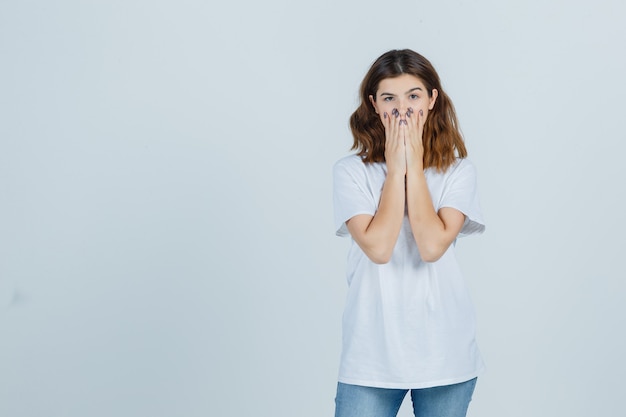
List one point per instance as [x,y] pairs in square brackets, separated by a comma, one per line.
[413,132]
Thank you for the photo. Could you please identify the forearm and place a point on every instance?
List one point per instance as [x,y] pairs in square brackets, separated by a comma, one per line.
[377,235]
[430,232]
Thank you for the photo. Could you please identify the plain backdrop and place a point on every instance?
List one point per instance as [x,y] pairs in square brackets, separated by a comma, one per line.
[166,234]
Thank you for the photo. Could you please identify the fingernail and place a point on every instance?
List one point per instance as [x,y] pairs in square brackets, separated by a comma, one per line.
[395,112]
[410,110]
[402,122]
[408,114]
[385,115]
[421,112]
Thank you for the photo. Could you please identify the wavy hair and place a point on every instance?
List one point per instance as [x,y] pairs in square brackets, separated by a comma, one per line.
[442,138]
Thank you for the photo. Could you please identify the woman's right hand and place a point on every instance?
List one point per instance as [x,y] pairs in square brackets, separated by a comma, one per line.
[377,235]
[395,148]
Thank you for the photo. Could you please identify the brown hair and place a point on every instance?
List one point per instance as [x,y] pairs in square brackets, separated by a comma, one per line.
[442,137]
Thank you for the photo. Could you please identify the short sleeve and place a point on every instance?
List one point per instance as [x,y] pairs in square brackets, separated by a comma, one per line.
[350,193]
[461,193]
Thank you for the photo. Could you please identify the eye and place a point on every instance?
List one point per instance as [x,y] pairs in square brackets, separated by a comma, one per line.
[388,98]
[413,96]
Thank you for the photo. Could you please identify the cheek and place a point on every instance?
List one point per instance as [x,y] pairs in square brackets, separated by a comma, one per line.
[418,105]
[385,106]
[381,108]
[423,106]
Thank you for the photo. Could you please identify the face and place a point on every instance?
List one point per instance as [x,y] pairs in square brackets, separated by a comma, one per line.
[401,93]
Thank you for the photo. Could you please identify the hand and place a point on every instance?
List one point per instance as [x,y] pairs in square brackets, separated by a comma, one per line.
[413,130]
[395,149]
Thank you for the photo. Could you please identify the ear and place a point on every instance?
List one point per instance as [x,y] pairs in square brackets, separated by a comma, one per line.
[373,103]
[433,98]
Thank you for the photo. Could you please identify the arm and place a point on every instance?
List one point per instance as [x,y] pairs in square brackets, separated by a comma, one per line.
[434,231]
[377,235]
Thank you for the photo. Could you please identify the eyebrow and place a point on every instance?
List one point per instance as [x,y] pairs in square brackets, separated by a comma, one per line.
[410,91]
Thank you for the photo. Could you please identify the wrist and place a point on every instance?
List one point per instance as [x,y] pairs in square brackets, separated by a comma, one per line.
[395,175]
[415,171]
[415,166]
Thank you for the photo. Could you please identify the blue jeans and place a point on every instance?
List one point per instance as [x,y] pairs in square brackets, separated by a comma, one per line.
[444,401]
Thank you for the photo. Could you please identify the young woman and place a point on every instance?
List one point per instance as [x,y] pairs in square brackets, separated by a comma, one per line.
[404,198]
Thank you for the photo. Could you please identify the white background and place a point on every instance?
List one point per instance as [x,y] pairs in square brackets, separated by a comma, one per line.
[166,238]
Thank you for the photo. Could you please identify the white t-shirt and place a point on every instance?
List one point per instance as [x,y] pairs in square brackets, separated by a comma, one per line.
[407,323]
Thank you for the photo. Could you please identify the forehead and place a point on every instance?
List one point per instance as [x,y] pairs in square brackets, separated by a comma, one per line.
[400,84]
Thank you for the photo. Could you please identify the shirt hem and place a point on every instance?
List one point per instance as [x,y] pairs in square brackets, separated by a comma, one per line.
[342,230]
[412,385]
